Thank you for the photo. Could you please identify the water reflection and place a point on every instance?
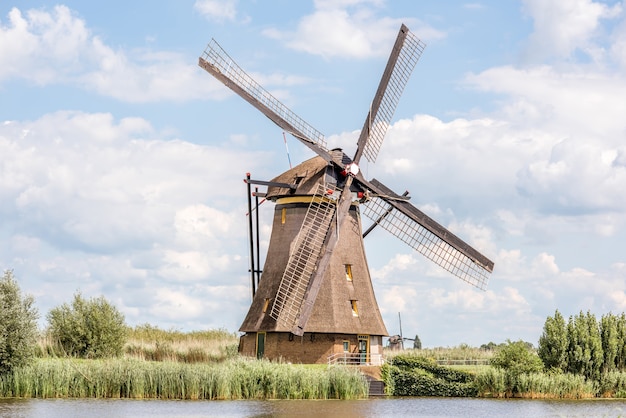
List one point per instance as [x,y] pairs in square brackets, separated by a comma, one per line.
[385,407]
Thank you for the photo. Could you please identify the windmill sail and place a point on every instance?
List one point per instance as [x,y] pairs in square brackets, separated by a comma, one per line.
[406,51]
[221,66]
[428,237]
[404,56]
[303,258]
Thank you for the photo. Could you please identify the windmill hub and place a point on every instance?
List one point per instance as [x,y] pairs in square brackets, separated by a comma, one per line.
[351,169]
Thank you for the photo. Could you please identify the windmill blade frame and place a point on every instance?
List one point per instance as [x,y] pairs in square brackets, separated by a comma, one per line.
[220,65]
[296,285]
[427,236]
[406,51]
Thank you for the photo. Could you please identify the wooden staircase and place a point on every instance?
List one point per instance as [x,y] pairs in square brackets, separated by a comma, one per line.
[376,387]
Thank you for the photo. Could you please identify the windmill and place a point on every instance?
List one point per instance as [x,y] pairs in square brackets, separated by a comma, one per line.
[396,342]
[315,299]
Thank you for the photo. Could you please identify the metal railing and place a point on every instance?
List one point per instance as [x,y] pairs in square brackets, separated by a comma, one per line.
[356,359]
[463,362]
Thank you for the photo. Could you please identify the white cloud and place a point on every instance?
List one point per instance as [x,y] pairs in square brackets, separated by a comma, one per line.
[349,28]
[560,102]
[38,38]
[217,9]
[57,47]
[561,28]
[388,273]
[104,206]
[618,46]
[184,266]
[175,305]
[577,177]
[466,299]
[399,297]
[200,225]
[544,265]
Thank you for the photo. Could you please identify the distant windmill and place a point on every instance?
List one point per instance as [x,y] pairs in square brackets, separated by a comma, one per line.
[396,342]
[315,299]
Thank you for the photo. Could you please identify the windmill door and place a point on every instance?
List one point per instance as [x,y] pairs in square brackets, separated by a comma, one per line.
[260,344]
[363,348]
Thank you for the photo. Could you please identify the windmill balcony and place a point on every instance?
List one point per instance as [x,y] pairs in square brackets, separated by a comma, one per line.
[356,359]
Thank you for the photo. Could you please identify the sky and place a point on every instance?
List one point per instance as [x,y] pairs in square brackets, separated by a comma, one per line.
[121,160]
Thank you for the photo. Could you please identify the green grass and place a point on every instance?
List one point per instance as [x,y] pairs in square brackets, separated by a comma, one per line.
[461,353]
[131,378]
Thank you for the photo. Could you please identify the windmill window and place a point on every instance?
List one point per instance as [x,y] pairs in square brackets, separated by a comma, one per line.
[283,215]
[346,346]
[355,310]
[349,272]
[266,304]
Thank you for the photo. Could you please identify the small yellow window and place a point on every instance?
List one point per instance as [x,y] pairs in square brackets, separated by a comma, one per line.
[266,305]
[349,272]
[283,215]
[355,310]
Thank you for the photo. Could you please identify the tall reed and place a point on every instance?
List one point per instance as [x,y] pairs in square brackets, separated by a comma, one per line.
[612,385]
[232,379]
[499,383]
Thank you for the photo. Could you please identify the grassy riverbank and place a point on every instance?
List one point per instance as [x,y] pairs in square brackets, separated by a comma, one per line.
[130,378]
[169,364]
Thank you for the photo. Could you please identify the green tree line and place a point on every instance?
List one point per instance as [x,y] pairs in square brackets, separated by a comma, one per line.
[584,345]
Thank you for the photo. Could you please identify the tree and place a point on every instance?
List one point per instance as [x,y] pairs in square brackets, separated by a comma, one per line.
[417,343]
[584,352]
[610,342]
[88,328]
[620,359]
[553,343]
[18,325]
[490,346]
[595,347]
[578,354]
[517,358]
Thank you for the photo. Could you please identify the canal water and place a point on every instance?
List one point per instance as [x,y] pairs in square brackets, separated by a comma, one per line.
[379,407]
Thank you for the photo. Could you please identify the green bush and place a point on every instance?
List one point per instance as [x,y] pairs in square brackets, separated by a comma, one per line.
[418,376]
[88,328]
[418,383]
[517,358]
[407,362]
[18,326]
